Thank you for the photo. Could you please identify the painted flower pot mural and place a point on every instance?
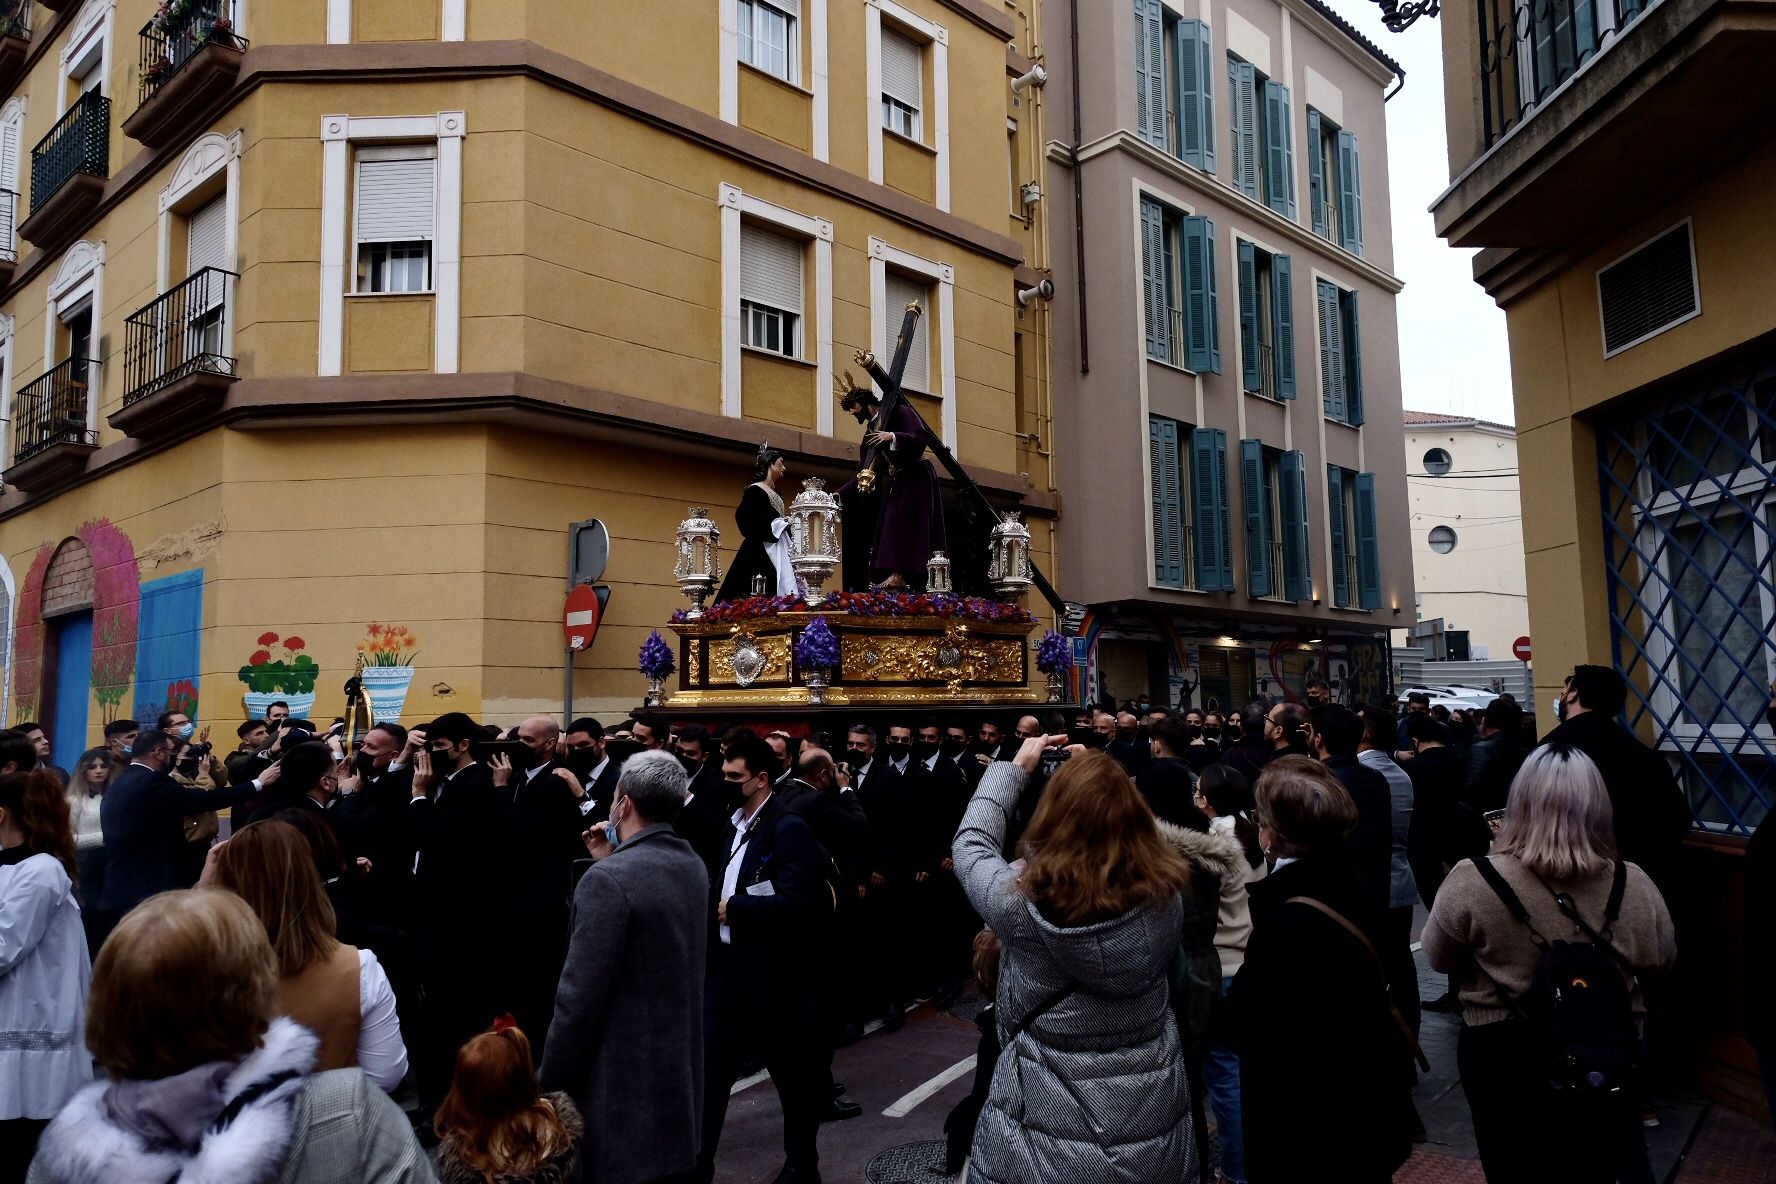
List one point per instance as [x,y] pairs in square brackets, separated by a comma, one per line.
[289,676]
[388,652]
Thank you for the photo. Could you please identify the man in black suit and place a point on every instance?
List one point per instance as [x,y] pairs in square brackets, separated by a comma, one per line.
[696,752]
[764,955]
[305,782]
[956,750]
[946,795]
[1168,782]
[456,826]
[370,812]
[882,974]
[143,818]
[584,753]
[1336,732]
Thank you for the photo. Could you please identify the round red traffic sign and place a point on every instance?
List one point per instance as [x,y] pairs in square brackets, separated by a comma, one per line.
[1520,649]
[579,619]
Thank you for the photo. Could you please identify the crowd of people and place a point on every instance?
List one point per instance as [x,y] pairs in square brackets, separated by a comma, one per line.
[568,943]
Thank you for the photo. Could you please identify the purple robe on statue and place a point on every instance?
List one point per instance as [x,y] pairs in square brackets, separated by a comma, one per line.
[910,525]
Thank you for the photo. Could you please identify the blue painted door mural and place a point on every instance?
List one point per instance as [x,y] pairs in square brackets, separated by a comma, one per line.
[169,639]
[73,687]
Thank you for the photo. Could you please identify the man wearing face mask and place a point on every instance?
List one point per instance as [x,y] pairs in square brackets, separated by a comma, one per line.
[953,923]
[695,753]
[369,815]
[955,750]
[882,791]
[195,766]
[627,1041]
[1200,748]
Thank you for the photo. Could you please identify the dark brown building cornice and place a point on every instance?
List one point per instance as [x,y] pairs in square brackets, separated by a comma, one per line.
[990,17]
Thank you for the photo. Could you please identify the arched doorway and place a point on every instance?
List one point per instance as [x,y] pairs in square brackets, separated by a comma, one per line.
[67,650]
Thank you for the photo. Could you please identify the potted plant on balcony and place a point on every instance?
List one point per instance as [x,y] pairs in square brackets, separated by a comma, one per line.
[388,652]
[290,677]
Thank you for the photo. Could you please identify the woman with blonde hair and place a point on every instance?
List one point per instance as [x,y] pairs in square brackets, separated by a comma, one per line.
[202,1080]
[1553,875]
[338,992]
[1090,1083]
[85,792]
[495,1124]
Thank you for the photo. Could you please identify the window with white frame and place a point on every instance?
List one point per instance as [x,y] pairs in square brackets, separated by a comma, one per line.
[770,36]
[771,287]
[901,290]
[395,204]
[903,84]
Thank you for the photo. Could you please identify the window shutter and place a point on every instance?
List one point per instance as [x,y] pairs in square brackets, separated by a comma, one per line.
[901,291]
[1248,298]
[1244,93]
[1292,471]
[395,199]
[1282,321]
[205,237]
[1223,510]
[1368,545]
[1350,195]
[1316,175]
[770,269]
[1150,107]
[1201,299]
[1168,502]
[903,71]
[1279,150]
[1353,359]
[1331,350]
[1153,293]
[1257,517]
[9,173]
[1340,545]
[1196,96]
[1208,487]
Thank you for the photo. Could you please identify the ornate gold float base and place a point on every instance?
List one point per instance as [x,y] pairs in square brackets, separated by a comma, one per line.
[890,661]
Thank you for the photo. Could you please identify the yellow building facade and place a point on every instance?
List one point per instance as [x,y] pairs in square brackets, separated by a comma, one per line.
[338,312]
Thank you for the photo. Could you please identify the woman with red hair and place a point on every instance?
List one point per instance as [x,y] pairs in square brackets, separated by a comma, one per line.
[496,1125]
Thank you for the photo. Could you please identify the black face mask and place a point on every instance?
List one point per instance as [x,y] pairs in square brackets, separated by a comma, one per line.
[1193,730]
[691,764]
[898,749]
[365,764]
[924,749]
[954,745]
[858,756]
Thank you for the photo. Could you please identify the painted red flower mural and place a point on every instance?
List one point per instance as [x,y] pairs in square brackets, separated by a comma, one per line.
[27,640]
[117,606]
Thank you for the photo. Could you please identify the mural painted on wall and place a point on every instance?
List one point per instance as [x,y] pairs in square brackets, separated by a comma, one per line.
[168,650]
[288,674]
[388,652]
[116,611]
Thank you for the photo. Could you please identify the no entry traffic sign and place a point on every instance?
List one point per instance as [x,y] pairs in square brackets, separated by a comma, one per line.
[1520,649]
[580,617]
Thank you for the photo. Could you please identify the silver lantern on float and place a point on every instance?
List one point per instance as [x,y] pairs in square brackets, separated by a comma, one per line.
[814,537]
[698,567]
[1008,564]
[937,575]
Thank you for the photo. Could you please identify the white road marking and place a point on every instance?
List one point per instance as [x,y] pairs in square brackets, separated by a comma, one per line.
[748,1082]
[906,1104]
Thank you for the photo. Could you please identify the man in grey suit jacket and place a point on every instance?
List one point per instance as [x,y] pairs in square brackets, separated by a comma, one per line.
[627,1040]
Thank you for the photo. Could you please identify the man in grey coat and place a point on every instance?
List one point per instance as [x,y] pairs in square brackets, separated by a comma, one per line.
[627,1040]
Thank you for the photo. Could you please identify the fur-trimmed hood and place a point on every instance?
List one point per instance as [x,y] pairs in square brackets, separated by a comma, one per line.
[447,1159]
[1219,854]
[247,1142]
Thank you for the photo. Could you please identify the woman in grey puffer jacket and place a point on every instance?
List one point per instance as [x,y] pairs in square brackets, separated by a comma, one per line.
[1090,1086]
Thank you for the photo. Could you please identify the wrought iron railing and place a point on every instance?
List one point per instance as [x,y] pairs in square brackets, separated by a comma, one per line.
[1172,348]
[1267,370]
[52,410]
[182,333]
[1689,531]
[8,241]
[15,19]
[80,142]
[1529,47]
[174,35]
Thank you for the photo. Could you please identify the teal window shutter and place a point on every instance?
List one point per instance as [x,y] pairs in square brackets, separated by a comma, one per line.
[1248,298]
[1153,281]
[1350,195]
[1341,589]
[1168,502]
[1223,511]
[1243,92]
[1202,331]
[1316,175]
[1353,359]
[1292,471]
[1257,513]
[1279,150]
[1196,96]
[1368,544]
[1331,349]
[1282,324]
[169,633]
[1150,104]
[1208,485]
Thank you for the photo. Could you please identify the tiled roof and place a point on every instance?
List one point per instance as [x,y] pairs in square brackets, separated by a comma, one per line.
[1420,418]
[1350,30]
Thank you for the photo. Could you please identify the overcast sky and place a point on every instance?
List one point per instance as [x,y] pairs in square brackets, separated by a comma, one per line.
[1453,356]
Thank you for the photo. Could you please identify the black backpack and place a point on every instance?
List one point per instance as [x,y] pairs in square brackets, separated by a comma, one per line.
[1579,1005]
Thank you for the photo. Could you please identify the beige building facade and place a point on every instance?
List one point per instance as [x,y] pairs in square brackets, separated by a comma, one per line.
[329,317]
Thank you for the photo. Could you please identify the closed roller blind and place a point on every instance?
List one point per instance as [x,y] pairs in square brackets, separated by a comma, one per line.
[395,199]
[902,69]
[204,240]
[770,269]
[9,156]
[902,291]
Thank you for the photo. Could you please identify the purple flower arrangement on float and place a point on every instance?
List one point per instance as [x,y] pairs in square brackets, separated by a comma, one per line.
[656,657]
[817,648]
[1054,654]
[869,604]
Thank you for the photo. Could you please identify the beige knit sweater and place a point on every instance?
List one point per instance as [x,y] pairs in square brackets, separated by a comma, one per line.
[1472,935]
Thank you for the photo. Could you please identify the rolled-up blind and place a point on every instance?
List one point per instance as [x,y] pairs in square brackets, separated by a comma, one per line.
[770,269]
[902,69]
[901,292]
[205,237]
[396,198]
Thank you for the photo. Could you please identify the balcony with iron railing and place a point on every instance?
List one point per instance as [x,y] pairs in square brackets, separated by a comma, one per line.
[1266,371]
[189,54]
[15,40]
[176,355]
[51,434]
[68,171]
[1583,115]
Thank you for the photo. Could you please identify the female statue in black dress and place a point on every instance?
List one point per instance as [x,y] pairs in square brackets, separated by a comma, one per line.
[765,529]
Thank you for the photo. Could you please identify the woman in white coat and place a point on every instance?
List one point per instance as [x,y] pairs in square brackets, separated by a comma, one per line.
[44,968]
